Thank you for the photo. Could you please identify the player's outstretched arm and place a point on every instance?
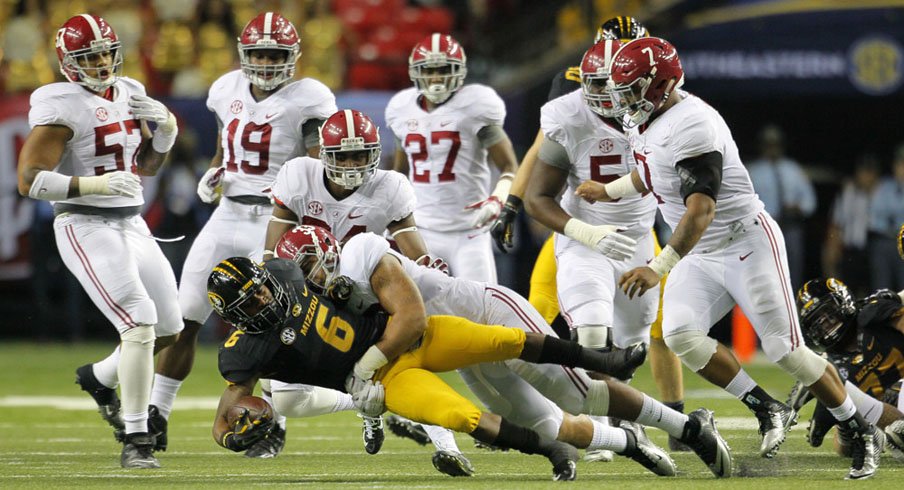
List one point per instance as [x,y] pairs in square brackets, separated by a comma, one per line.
[281,221]
[503,229]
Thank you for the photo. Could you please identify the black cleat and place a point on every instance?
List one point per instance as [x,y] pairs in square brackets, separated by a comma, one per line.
[137,452]
[621,363]
[865,450]
[800,395]
[563,458]
[820,425]
[108,404]
[452,463]
[407,429]
[157,427]
[486,446]
[701,435]
[373,433]
[270,446]
[776,420]
[677,446]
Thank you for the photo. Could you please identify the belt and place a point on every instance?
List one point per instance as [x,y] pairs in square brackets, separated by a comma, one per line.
[124,212]
[251,200]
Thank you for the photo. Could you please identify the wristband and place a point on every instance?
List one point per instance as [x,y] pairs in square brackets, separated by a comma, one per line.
[580,231]
[51,186]
[403,230]
[91,185]
[665,261]
[514,202]
[503,186]
[372,360]
[165,135]
[621,187]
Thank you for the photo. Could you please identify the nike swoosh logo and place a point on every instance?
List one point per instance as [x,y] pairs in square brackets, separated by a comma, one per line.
[742,257]
[445,123]
[649,260]
[268,116]
[647,152]
[354,216]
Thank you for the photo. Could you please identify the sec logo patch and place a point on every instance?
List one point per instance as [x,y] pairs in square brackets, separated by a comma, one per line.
[236,106]
[315,208]
[287,336]
[606,145]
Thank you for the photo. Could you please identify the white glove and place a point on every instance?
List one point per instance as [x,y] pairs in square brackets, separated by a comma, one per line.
[355,383]
[119,183]
[486,212]
[209,188]
[148,109]
[433,263]
[605,239]
[370,400]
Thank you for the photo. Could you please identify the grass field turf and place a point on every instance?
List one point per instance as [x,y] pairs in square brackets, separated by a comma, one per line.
[51,437]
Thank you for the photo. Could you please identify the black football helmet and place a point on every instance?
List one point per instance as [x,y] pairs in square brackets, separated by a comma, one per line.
[233,282]
[827,313]
[623,28]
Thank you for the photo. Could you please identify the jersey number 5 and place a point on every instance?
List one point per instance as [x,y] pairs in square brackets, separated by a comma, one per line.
[261,146]
[421,174]
[101,147]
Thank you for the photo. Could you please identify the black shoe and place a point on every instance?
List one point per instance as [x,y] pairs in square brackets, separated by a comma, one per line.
[270,446]
[621,363]
[407,429]
[137,452]
[452,463]
[373,433]
[642,450]
[865,450]
[776,420]
[563,458]
[108,404]
[701,435]
[157,427]
[677,446]
[486,446]
[820,425]
[800,395]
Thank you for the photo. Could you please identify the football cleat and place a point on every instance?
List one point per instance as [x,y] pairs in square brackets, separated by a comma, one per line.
[486,446]
[623,362]
[800,395]
[563,458]
[157,427]
[775,420]
[600,455]
[701,435]
[676,446]
[137,452]
[643,451]
[108,404]
[865,450]
[820,425]
[894,438]
[373,433]
[407,429]
[452,463]
[270,446]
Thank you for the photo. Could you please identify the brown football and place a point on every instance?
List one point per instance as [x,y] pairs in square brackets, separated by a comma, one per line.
[257,407]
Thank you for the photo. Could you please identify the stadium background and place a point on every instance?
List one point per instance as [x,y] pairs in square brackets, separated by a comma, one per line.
[828,72]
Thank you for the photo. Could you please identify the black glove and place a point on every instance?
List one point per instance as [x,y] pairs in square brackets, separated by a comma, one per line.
[247,432]
[503,229]
[340,290]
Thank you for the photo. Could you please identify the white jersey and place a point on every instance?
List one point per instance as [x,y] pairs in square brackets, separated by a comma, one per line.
[259,136]
[386,197]
[688,129]
[599,152]
[447,163]
[105,135]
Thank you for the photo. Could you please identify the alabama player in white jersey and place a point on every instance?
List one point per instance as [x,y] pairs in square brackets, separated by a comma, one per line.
[87,147]
[383,277]
[265,118]
[595,243]
[725,249]
[445,131]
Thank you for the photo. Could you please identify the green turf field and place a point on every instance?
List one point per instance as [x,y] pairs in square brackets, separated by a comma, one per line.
[51,437]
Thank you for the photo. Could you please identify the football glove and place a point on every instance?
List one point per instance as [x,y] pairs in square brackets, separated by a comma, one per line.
[433,263]
[148,109]
[247,431]
[119,183]
[340,290]
[209,188]
[486,211]
[503,229]
[370,400]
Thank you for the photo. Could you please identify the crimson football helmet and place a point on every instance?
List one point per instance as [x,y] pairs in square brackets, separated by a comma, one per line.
[643,74]
[622,28]
[270,31]
[344,133]
[442,53]
[595,74]
[81,37]
[315,250]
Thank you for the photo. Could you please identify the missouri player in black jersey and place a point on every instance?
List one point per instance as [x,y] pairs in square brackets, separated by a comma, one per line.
[864,340]
[286,331]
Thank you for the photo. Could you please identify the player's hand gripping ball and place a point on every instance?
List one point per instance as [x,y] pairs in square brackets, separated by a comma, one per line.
[250,420]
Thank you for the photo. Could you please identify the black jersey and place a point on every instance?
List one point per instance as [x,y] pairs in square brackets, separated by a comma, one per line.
[317,345]
[880,362]
[565,82]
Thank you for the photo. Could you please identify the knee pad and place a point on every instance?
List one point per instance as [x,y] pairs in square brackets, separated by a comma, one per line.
[594,336]
[142,334]
[597,400]
[305,402]
[693,347]
[803,365]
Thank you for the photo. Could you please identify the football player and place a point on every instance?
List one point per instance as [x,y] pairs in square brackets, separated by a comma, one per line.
[265,118]
[664,363]
[384,278]
[864,340]
[725,249]
[287,331]
[88,145]
[445,131]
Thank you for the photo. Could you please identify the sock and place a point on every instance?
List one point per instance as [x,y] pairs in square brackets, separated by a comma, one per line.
[572,354]
[106,370]
[845,411]
[280,418]
[443,439]
[517,437]
[676,406]
[164,394]
[136,422]
[136,372]
[866,405]
[655,414]
[344,402]
[605,437]
[741,384]
[755,398]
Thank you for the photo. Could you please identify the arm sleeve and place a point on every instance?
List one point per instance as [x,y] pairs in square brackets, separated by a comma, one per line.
[554,154]
[701,174]
[490,135]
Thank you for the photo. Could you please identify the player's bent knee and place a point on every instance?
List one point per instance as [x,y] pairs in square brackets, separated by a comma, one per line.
[693,347]
[804,365]
[141,334]
[597,400]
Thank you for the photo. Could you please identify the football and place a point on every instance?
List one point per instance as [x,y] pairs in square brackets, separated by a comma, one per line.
[257,408]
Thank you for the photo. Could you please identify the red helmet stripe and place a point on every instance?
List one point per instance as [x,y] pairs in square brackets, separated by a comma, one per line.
[95,28]
[350,123]
[268,25]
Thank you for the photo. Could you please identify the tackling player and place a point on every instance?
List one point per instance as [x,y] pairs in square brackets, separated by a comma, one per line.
[725,249]
[88,144]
